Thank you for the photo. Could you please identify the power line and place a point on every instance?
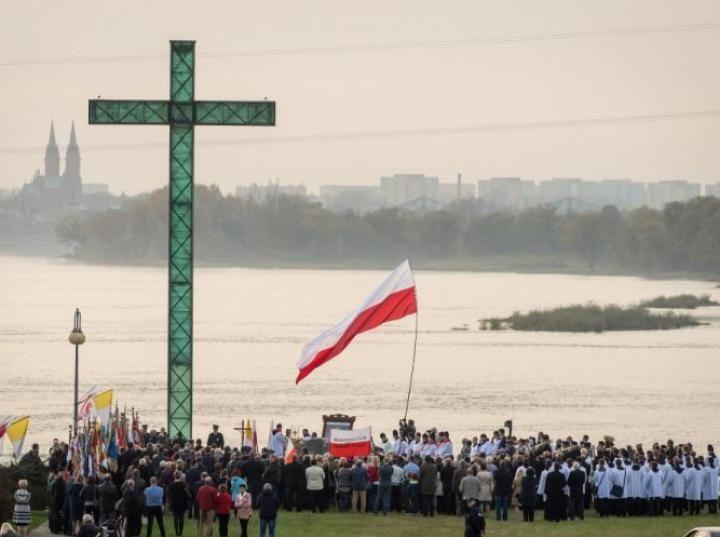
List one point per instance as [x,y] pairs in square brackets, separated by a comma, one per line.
[373,47]
[398,133]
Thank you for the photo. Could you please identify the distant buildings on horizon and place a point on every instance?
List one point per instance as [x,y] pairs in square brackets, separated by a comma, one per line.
[423,192]
[52,192]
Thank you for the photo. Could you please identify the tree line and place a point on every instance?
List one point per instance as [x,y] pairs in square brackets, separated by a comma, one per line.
[683,237]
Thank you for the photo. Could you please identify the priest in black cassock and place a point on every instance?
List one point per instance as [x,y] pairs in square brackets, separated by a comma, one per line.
[555,492]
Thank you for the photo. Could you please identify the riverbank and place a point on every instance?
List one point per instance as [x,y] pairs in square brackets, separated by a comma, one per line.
[488,264]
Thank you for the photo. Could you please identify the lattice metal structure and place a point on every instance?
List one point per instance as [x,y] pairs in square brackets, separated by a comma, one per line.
[182,112]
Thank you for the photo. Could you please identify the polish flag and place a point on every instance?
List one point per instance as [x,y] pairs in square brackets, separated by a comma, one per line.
[290,451]
[393,300]
[351,444]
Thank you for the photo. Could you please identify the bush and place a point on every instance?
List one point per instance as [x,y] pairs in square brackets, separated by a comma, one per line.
[593,318]
[688,302]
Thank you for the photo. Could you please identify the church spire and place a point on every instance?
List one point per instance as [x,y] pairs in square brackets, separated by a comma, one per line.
[73,141]
[72,165]
[52,155]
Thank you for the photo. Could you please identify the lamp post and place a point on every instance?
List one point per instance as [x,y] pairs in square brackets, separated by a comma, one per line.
[76,338]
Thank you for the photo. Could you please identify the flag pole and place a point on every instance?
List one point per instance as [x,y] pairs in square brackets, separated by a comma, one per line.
[412,369]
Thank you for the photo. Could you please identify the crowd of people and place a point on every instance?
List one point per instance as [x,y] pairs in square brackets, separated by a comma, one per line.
[411,472]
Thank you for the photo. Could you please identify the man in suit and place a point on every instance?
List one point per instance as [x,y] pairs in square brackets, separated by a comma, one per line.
[216,438]
[576,483]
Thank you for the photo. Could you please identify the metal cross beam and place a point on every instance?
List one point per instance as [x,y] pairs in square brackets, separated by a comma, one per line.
[181,113]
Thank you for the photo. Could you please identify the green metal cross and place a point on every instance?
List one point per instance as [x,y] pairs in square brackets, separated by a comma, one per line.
[181,113]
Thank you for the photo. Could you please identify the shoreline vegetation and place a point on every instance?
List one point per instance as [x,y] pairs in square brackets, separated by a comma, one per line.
[504,264]
[466,235]
[685,302]
[590,318]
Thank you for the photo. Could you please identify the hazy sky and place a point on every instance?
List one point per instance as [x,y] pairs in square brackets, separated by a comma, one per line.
[364,90]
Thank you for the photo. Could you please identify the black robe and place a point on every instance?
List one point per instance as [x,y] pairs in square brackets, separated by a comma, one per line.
[554,490]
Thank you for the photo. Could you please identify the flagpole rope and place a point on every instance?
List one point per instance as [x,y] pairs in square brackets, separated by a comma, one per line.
[412,368]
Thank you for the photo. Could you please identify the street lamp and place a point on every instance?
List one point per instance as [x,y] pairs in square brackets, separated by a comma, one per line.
[76,338]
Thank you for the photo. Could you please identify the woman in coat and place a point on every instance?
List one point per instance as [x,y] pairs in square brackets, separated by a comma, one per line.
[243,507]
[21,512]
[76,503]
[428,486]
[89,496]
[267,507]
[528,494]
[486,487]
[469,489]
[178,495]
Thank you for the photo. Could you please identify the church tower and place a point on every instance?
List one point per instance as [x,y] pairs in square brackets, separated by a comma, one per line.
[72,166]
[52,155]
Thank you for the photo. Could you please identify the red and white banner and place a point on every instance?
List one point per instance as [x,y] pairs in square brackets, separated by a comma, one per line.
[393,300]
[291,451]
[357,443]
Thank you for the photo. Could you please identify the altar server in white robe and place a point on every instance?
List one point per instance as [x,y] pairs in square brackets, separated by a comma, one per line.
[675,486]
[635,490]
[602,489]
[667,469]
[654,489]
[618,478]
[445,447]
[415,446]
[693,487]
[710,484]
[400,446]
[427,449]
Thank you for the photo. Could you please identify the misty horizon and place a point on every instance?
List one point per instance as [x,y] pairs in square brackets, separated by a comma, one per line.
[456,88]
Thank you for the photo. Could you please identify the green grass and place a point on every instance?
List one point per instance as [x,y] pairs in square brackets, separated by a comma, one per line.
[398,525]
[689,302]
[38,518]
[590,318]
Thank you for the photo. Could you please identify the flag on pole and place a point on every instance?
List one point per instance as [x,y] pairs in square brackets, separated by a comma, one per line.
[291,450]
[85,403]
[3,429]
[393,300]
[103,405]
[270,434]
[16,432]
[247,437]
[254,437]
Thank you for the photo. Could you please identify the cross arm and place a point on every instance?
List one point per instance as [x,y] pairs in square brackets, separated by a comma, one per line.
[259,113]
[103,111]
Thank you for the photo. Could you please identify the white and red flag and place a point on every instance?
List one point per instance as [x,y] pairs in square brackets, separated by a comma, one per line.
[348,444]
[291,451]
[394,299]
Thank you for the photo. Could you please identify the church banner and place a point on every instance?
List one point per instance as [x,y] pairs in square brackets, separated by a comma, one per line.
[357,443]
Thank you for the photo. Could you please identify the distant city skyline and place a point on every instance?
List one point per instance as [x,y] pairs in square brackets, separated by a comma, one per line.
[258,188]
[483,88]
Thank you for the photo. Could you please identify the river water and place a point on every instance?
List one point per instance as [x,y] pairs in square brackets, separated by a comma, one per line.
[251,324]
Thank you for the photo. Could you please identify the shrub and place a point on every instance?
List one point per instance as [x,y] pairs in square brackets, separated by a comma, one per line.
[592,318]
[688,302]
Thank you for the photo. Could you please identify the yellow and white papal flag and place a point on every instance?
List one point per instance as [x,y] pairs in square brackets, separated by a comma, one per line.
[15,429]
[102,403]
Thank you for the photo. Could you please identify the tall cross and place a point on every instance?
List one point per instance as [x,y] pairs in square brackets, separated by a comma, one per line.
[182,112]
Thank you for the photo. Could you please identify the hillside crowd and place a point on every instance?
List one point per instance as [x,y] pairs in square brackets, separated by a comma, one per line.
[412,472]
